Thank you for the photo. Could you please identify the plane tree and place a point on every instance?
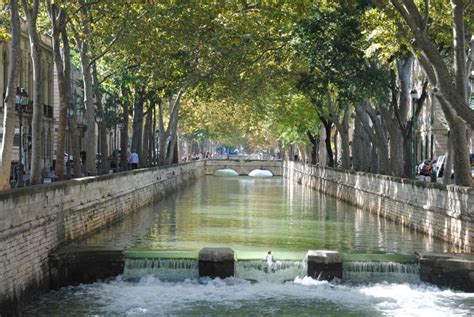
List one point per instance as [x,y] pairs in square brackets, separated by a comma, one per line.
[443,44]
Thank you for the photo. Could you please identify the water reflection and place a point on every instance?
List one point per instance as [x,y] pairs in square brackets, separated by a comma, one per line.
[250,214]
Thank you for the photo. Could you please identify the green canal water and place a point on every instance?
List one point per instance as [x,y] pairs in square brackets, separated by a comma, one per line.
[252,216]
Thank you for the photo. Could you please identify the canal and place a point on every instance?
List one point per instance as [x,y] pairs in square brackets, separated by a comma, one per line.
[252,216]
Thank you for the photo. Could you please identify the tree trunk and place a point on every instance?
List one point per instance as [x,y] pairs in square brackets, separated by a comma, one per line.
[137,141]
[343,128]
[396,153]
[162,134]
[345,151]
[173,127]
[102,127]
[31,14]
[327,141]
[58,20]
[73,131]
[90,141]
[147,138]
[448,160]
[168,137]
[174,159]
[314,146]
[124,130]
[462,168]
[374,161]
[10,98]
[376,134]
[153,132]
[402,139]
[459,147]
[361,147]
[408,163]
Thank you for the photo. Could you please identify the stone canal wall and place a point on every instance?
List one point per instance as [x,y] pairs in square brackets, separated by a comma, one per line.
[35,221]
[438,210]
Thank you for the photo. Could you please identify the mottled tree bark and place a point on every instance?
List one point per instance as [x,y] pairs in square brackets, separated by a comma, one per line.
[31,13]
[314,147]
[102,127]
[10,98]
[330,155]
[73,131]
[147,138]
[377,135]
[124,130]
[90,141]
[168,140]
[137,134]
[361,147]
[58,22]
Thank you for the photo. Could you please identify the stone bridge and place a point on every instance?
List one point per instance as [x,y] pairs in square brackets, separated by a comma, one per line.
[244,166]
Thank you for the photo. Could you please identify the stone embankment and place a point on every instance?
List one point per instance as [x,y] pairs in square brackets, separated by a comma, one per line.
[36,221]
[441,211]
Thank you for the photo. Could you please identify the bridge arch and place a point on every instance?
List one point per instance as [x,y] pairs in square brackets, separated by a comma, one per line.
[226,172]
[260,173]
[243,167]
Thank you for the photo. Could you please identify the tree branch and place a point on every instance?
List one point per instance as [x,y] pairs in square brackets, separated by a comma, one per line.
[107,49]
[426,17]
[110,74]
[459,47]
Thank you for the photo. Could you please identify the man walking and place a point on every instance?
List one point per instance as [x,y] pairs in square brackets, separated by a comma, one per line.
[134,159]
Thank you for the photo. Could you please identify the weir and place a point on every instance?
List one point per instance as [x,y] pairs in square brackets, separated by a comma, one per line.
[280,271]
[178,266]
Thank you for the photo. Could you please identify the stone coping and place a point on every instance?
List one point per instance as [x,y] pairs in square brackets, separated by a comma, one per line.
[418,183]
[17,192]
[216,254]
[248,255]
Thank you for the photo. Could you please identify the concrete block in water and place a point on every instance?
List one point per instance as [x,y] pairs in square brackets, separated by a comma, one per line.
[324,264]
[448,270]
[216,262]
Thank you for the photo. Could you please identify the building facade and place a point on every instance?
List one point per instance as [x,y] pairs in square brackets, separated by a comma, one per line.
[432,128]
[26,81]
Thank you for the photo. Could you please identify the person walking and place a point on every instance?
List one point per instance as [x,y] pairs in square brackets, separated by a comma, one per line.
[134,160]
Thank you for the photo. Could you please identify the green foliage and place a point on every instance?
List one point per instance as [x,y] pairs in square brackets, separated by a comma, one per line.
[388,37]
[332,43]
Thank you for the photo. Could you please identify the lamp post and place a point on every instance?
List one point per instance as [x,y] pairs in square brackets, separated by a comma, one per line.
[99,117]
[414,97]
[471,91]
[71,111]
[82,127]
[21,101]
[121,126]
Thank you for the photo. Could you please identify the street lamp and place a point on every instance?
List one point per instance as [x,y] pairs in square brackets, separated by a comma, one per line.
[99,117]
[414,97]
[471,97]
[21,102]
[82,127]
[71,112]
[121,126]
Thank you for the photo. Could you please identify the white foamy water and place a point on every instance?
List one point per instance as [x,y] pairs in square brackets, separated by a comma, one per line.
[151,296]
